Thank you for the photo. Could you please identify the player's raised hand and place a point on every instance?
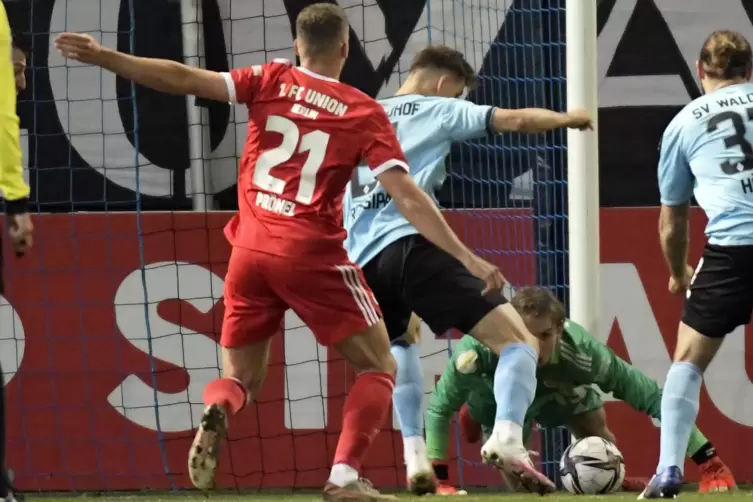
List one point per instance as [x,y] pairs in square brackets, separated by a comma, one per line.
[679,285]
[78,46]
[580,119]
[487,272]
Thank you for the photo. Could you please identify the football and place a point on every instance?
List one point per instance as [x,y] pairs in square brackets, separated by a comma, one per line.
[592,466]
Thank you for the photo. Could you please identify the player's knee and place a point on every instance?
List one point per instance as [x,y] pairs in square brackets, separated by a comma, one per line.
[690,355]
[501,327]
[529,339]
[693,347]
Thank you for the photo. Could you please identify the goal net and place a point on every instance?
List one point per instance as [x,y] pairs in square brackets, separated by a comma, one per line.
[109,326]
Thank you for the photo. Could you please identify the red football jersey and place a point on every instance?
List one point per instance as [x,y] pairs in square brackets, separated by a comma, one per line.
[306,134]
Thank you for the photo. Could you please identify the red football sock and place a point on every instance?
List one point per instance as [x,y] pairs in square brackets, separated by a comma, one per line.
[228,393]
[364,413]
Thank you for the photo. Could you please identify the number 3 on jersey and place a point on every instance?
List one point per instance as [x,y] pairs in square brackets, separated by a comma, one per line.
[314,142]
[737,139]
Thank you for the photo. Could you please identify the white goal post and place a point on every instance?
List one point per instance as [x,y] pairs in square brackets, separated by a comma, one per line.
[583,165]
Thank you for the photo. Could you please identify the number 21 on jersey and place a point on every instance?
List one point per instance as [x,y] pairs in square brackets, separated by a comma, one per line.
[314,142]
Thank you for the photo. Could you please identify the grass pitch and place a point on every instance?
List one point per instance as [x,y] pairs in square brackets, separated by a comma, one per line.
[744,495]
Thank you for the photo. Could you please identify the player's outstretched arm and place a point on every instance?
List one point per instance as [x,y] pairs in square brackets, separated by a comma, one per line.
[533,120]
[614,375]
[422,213]
[159,74]
[611,373]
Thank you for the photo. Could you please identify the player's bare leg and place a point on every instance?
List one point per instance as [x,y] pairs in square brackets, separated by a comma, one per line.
[679,408]
[365,410]
[244,370]
[504,331]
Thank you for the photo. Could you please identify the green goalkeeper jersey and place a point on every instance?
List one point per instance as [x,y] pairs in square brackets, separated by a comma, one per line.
[578,362]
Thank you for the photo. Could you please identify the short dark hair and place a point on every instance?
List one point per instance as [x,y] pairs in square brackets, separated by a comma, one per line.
[726,55]
[538,302]
[321,27]
[441,57]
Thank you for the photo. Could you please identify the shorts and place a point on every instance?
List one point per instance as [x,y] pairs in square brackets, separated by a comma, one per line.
[720,297]
[414,275]
[330,296]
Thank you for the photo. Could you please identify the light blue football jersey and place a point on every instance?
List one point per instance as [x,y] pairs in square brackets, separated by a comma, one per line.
[426,128]
[707,151]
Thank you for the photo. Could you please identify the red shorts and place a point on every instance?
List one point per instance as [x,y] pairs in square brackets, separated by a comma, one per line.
[331,298]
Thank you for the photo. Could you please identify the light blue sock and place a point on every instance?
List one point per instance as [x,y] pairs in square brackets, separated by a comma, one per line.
[515,382]
[679,409]
[409,390]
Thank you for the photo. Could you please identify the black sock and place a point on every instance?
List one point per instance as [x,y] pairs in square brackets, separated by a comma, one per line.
[704,453]
[442,472]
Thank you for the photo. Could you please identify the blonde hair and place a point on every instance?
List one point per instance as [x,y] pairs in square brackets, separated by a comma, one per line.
[538,302]
[321,27]
[726,55]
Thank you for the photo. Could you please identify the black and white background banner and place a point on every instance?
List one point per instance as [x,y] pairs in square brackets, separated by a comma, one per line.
[83,153]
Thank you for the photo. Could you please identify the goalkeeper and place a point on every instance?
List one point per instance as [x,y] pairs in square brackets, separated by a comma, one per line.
[571,363]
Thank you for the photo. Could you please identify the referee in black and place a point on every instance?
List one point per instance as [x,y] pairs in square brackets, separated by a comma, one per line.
[13,188]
